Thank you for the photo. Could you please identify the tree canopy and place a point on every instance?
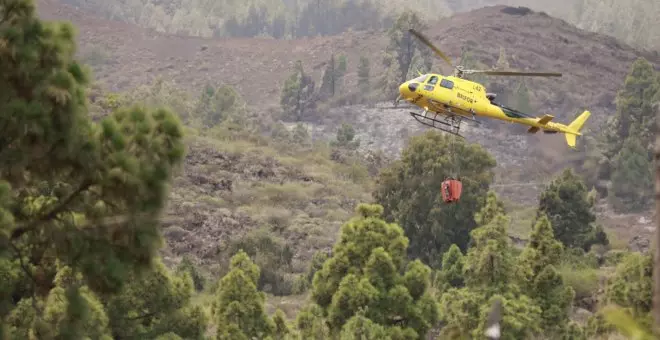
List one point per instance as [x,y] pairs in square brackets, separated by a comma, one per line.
[565,202]
[369,271]
[488,273]
[628,139]
[409,190]
[534,297]
[80,201]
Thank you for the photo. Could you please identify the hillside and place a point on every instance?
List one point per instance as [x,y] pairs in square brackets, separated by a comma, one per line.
[631,21]
[229,190]
[594,65]
[124,56]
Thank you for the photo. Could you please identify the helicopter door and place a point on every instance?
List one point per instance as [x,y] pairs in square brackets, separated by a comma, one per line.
[466,100]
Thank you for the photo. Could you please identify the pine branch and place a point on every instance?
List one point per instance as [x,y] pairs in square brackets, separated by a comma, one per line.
[18,232]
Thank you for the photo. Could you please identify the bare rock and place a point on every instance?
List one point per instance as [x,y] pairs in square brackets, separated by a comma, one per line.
[639,244]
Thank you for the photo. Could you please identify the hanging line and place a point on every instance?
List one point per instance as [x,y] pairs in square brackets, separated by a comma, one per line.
[452,158]
[519,184]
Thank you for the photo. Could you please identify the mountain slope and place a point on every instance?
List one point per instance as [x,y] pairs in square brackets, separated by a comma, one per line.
[214,195]
[594,65]
[632,21]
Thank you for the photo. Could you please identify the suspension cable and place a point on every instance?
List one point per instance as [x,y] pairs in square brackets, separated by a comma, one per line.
[519,184]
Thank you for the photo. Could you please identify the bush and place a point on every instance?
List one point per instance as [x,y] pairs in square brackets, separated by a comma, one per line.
[271,254]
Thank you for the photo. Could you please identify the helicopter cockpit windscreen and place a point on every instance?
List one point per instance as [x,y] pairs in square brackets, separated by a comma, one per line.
[421,78]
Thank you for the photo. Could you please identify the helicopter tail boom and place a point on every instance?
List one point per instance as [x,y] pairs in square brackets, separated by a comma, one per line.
[573,129]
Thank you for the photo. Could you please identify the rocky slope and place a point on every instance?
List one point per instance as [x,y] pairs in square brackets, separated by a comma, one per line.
[227,189]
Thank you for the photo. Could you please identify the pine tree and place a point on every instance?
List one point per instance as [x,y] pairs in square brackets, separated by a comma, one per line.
[282,330]
[634,109]
[489,273]
[566,203]
[635,117]
[332,77]
[74,194]
[239,306]
[297,94]
[363,74]
[346,138]
[311,324]
[216,105]
[155,303]
[368,271]
[542,250]
[359,327]
[268,252]
[492,208]
[71,311]
[329,78]
[410,191]
[451,274]
[403,46]
[342,66]
[632,178]
[488,262]
[542,281]
[187,266]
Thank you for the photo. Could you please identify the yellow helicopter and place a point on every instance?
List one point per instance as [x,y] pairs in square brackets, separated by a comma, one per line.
[448,100]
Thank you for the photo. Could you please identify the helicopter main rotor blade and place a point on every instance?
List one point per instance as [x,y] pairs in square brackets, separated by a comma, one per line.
[428,43]
[514,73]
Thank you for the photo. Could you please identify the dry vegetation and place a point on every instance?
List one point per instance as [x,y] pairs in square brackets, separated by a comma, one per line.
[238,191]
[231,187]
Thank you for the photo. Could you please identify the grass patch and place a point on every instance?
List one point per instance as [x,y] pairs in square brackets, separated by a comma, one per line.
[616,241]
[581,271]
[290,305]
[213,201]
[585,281]
[521,219]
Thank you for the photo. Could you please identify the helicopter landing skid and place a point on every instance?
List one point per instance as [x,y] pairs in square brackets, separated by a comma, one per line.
[450,123]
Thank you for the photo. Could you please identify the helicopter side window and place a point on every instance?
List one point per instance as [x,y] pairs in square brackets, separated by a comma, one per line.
[448,84]
[433,80]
